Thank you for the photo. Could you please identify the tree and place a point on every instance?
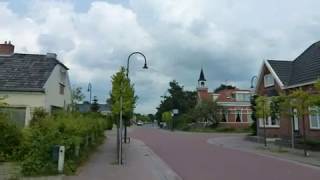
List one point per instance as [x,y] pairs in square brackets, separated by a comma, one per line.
[208,112]
[121,86]
[178,98]
[94,106]
[301,101]
[167,117]
[254,115]
[76,97]
[263,111]
[223,86]
[151,117]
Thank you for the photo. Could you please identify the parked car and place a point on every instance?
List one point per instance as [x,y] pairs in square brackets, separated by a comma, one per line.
[139,123]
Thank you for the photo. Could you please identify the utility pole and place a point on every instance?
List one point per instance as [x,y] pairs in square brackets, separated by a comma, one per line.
[90,90]
[119,129]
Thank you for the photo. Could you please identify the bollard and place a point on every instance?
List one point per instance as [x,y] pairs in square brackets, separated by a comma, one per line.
[61,159]
[77,150]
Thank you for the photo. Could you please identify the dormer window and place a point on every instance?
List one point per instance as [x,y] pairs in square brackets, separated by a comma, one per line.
[61,88]
[268,80]
[63,76]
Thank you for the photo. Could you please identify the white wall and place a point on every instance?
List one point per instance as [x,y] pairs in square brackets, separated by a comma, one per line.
[29,100]
[52,89]
[51,96]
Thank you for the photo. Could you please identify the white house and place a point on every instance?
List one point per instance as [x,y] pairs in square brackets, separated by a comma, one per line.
[28,81]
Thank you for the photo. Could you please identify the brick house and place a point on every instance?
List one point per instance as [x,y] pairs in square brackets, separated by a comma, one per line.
[235,103]
[28,81]
[279,76]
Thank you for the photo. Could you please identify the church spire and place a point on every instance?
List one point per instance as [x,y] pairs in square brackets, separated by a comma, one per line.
[202,78]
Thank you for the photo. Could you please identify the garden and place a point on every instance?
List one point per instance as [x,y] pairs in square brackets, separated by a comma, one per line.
[31,148]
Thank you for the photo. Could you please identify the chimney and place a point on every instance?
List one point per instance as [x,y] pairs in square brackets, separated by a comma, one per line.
[6,48]
[51,55]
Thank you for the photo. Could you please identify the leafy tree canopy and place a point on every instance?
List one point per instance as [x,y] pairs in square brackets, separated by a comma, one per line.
[122,86]
[222,87]
[178,98]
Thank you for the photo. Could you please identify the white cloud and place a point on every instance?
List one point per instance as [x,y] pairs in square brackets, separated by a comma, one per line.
[228,38]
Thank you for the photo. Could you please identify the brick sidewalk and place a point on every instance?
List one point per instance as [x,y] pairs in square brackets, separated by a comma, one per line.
[139,163]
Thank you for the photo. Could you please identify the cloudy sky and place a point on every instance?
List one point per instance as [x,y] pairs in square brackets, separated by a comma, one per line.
[228,38]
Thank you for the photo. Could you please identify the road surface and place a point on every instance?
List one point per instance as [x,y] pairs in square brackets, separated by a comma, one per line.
[192,158]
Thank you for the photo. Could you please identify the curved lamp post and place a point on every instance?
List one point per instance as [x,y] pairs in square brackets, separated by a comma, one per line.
[128,62]
[144,67]
[254,78]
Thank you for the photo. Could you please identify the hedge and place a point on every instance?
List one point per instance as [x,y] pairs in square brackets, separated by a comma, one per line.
[77,132]
[10,138]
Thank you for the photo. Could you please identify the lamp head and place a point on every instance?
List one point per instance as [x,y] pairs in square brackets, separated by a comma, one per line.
[145,66]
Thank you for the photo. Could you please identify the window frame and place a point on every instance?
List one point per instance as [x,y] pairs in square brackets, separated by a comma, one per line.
[317,109]
[62,89]
[269,123]
[266,78]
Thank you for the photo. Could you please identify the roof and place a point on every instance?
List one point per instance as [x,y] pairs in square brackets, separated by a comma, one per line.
[283,69]
[26,72]
[202,78]
[304,69]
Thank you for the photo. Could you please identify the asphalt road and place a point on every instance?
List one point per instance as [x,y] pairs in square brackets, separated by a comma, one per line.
[192,158]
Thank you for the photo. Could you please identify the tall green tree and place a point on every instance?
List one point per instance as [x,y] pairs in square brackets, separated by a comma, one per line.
[167,117]
[177,98]
[301,101]
[121,86]
[208,111]
[263,111]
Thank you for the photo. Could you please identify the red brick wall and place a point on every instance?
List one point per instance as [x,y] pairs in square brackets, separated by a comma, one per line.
[6,49]
[234,125]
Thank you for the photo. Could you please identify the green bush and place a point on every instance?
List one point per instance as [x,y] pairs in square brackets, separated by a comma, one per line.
[38,114]
[109,123]
[68,129]
[10,138]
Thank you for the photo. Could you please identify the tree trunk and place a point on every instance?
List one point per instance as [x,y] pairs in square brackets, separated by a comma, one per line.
[304,137]
[264,132]
[125,131]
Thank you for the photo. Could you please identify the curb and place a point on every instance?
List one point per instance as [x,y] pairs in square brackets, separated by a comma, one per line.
[164,172]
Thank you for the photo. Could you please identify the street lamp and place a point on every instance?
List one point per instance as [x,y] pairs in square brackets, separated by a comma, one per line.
[127,74]
[119,130]
[254,78]
[90,90]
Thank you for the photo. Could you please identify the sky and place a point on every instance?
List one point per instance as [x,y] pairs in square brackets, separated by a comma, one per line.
[229,39]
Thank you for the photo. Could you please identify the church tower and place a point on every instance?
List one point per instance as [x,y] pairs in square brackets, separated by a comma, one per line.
[202,88]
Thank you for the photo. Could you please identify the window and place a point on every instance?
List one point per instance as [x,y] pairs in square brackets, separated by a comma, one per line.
[61,88]
[238,116]
[270,123]
[224,116]
[63,76]
[243,97]
[314,118]
[268,80]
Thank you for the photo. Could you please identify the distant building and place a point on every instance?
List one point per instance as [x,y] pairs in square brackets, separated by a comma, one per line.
[32,80]
[86,107]
[235,103]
